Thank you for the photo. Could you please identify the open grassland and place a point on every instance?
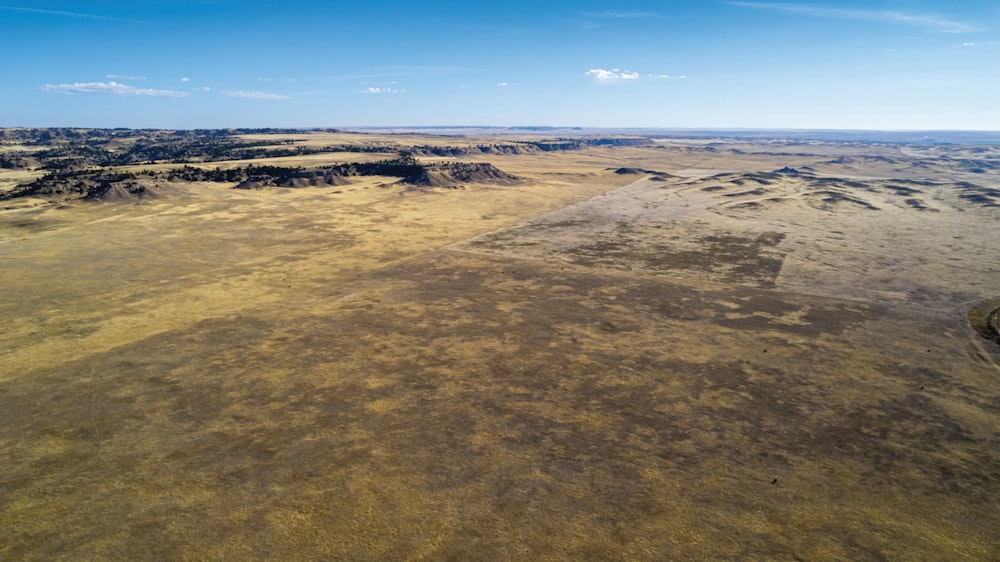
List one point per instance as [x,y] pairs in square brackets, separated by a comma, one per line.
[674,351]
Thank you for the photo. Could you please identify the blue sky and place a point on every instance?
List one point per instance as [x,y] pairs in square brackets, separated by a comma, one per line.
[875,64]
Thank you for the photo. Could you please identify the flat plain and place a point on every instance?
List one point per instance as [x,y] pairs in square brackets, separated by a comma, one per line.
[527,348]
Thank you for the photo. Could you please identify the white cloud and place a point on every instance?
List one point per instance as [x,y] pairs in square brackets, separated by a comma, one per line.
[376,90]
[185,79]
[931,22]
[611,75]
[202,89]
[121,77]
[253,94]
[111,87]
[502,84]
[968,44]
[669,76]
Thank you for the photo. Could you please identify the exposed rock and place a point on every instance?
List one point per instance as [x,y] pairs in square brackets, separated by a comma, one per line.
[788,171]
[314,178]
[256,182]
[455,174]
[126,191]
[530,147]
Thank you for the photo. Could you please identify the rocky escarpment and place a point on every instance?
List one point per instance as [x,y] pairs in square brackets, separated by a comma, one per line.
[458,173]
[103,186]
[298,178]
[530,147]
[449,174]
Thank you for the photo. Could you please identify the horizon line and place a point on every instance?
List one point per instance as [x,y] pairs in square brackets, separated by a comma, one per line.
[554,127]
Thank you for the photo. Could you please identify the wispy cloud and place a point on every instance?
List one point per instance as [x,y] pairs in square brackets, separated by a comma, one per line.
[123,77]
[64,14]
[502,84]
[185,79]
[669,76]
[111,87]
[930,22]
[622,14]
[253,95]
[585,25]
[422,69]
[977,44]
[597,20]
[379,75]
[612,75]
[378,90]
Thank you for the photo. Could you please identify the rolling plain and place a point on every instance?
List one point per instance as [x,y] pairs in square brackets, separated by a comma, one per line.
[497,345]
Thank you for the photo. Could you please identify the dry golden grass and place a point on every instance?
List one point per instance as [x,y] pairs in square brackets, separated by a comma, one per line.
[9,179]
[588,365]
